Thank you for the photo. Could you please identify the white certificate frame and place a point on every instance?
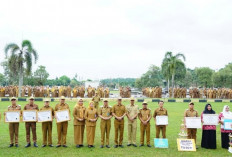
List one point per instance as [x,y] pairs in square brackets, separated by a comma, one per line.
[49,115]
[64,118]
[193,122]
[33,119]
[210,119]
[17,117]
[161,120]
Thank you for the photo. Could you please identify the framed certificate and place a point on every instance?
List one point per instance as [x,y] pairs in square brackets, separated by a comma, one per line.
[161,120]
[12,116]
[29,115]
[44,116]
[210,119]
[193,122]
[227,124]
[62,116]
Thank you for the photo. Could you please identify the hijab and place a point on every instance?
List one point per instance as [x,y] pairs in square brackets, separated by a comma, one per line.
[206,111]
[225,113]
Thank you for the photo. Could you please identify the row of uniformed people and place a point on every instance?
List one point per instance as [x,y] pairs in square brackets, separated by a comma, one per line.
[88,117]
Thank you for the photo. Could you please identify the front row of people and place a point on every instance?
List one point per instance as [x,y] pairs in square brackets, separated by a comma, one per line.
[87,117]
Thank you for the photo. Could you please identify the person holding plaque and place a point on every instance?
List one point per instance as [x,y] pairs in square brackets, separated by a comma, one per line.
[105,113]
[132,114]
[208,131]
[91,116]
[191,113]
[161,111]
[144,116]
[119,112]
[31,125]
[225,114]
[47,126]
[79,123]
[14,127]
[62,127]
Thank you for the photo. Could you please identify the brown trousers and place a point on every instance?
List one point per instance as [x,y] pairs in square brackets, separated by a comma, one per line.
[192,134]
[105,131]
[132,129]
[118,127]
[162,128]
[90,132]
[14,132]
[47,133]
[79,134]
[143,129]
[62,129]
[30,126]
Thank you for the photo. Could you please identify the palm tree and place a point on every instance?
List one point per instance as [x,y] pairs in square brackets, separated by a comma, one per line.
[169,66]
[19,56]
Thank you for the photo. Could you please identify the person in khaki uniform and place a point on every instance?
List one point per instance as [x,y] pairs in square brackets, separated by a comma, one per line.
[91,116]
[31,125]
[79,123]
[47,126]
[105,113]
[119,112]
[191,113]
[96,99]
[144,117]
[62,127]
[132,113]
[14,127]
[161,111]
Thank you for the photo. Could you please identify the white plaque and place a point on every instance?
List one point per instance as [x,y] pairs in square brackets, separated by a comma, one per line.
[62,116]
[210,119]
[44,116]
[29,115]
[12,116]
[193,122]
[161,120]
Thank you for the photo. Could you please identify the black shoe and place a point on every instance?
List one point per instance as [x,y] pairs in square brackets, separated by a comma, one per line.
[44,145]
[11,145]
[197,147]
[50,145]
[121,146]
[149,145]
[101,146]
[35,145]
[129,145]
[89,146]
[28,145]
[141,145]
[134,145]
[81,145]
[92,146]
[16,145]
[57,146]
[107,146]
[115,146]
[65,146]
[78,146]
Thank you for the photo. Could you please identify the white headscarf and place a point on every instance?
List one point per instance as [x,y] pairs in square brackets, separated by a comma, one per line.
[225,113]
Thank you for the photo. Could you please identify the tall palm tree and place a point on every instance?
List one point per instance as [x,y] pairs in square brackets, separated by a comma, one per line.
[20,59]
[169,65]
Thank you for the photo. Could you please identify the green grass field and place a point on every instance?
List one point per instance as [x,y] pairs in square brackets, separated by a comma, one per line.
[176,111]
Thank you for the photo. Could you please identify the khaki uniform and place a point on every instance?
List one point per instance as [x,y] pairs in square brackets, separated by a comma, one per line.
[118,110]
[105,124]
[132,111]
[144,114]
[191,132]
[14,127]
[47,127]
[31,125]
[62,127]
[96,100]
[79,126]
[160,112]
[90,126]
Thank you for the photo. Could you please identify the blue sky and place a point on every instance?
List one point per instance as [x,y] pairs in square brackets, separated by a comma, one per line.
[104,39]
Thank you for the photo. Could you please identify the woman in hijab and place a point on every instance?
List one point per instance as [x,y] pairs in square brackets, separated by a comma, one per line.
[225,114]
[208,131]
[91,116]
